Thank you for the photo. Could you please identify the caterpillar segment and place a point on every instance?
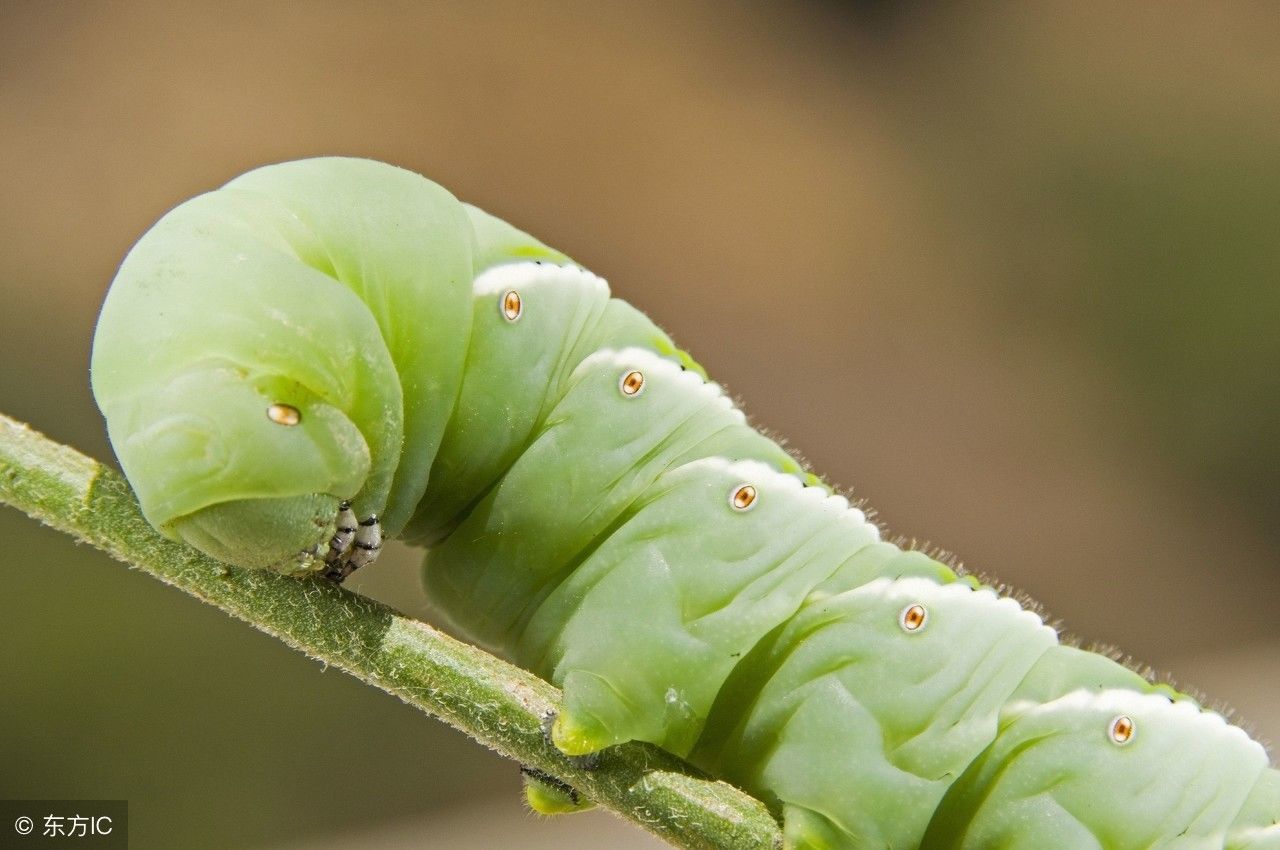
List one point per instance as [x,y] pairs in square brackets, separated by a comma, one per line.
[331,339]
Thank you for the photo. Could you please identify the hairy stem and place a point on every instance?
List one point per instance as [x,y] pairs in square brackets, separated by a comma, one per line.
[499,705]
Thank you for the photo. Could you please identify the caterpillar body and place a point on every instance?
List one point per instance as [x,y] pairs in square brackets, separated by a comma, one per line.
[325,352]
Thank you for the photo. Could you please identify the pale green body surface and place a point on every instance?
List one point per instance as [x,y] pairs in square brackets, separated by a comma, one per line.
[602,538]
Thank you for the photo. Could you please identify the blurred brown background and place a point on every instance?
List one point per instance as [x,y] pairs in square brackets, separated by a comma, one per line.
[1011,274]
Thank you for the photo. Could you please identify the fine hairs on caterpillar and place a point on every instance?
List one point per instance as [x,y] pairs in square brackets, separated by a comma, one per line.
[324,353]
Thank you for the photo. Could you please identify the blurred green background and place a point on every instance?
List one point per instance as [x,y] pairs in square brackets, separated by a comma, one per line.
[1012,274]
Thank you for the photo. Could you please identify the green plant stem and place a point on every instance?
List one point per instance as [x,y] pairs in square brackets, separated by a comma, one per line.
[499,705]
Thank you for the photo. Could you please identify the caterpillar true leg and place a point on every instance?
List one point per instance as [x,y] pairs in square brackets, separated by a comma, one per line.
[344,534]
[353,545]
[368,544]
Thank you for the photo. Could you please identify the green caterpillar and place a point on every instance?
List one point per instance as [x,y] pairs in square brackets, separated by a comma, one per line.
[326,352]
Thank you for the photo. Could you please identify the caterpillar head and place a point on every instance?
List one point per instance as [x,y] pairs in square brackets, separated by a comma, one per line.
[247,389]
[247,468]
